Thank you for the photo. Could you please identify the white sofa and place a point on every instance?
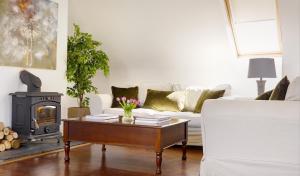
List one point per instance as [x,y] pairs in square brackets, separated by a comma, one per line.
[101,103]
[250,138]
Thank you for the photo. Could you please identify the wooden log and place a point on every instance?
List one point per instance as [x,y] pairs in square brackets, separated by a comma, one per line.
[1,135]
[14,134]
[9,137]
[2,147]
[7,144]
[6,130]
[1,126]
[15,144]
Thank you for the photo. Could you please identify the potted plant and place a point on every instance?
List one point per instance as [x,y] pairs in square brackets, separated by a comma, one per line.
[83,61]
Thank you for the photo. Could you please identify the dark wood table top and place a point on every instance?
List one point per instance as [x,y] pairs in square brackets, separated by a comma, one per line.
[173,121]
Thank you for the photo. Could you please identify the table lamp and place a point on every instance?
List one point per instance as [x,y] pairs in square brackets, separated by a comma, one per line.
[261,68]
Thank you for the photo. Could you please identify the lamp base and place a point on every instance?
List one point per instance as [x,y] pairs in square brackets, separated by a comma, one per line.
[260,86]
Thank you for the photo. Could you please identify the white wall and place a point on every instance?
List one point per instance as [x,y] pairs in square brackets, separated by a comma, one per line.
[290,26]
[155,42]
[53,80]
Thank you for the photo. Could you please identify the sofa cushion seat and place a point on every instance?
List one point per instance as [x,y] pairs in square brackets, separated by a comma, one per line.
[195,120]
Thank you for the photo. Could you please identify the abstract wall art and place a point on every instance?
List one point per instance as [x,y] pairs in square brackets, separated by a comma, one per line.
[28,33]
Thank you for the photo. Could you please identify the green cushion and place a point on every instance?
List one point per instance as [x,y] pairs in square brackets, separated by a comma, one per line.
[129,93]
[280,90]
[264,96]
[158,100]
[207,94]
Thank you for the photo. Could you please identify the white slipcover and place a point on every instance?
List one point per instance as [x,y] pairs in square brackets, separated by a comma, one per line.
[250,138]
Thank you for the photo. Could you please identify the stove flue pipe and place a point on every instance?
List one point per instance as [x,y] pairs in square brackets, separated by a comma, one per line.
[33,82]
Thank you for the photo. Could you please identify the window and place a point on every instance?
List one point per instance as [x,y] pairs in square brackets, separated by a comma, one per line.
[255,27]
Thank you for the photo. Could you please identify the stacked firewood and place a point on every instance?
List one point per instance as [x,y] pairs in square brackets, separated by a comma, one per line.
[8,138]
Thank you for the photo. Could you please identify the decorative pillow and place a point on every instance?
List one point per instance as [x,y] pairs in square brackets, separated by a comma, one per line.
[179,97]
[131,92]
[293,92]
[158,100]
[191,97]
[264,96]
[280,90]
[207,94]
[226,87]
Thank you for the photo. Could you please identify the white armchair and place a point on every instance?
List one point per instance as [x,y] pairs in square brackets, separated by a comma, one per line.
[250,138]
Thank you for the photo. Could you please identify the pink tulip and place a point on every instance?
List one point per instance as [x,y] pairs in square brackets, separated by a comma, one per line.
[123,98]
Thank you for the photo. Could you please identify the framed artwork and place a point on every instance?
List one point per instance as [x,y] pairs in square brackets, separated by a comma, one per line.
[28,36]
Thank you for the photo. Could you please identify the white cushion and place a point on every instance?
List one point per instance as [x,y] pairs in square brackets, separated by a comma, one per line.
[191,98]
[192,94]
[179,97]
[293,92]
[195,120]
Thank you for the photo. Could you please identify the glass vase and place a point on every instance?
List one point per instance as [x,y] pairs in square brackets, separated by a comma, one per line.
[127,116]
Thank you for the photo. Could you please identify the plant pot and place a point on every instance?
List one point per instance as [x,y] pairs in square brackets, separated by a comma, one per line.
[78,112]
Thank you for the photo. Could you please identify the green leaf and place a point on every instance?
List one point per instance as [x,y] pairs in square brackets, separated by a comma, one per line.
[84,59]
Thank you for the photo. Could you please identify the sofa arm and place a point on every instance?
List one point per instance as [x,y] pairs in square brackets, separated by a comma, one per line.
[252,130]
[99,102]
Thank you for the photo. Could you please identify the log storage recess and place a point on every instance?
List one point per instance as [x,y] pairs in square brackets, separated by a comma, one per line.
[8,138]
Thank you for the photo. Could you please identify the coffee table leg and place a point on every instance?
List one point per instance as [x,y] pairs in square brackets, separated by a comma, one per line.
[67,151]
[103,148]
[184,150]
[158,162]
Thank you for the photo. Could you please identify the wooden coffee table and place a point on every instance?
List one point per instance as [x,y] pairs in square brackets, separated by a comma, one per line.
[155,137]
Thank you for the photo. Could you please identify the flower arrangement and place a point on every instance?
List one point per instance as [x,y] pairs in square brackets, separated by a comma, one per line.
[128,105]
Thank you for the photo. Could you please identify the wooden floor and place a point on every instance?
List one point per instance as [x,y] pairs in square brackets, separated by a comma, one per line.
[116,161]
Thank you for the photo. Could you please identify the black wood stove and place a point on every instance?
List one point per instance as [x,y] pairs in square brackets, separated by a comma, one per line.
[36,115]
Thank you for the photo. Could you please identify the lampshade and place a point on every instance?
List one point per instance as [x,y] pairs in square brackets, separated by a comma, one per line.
[262,68]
